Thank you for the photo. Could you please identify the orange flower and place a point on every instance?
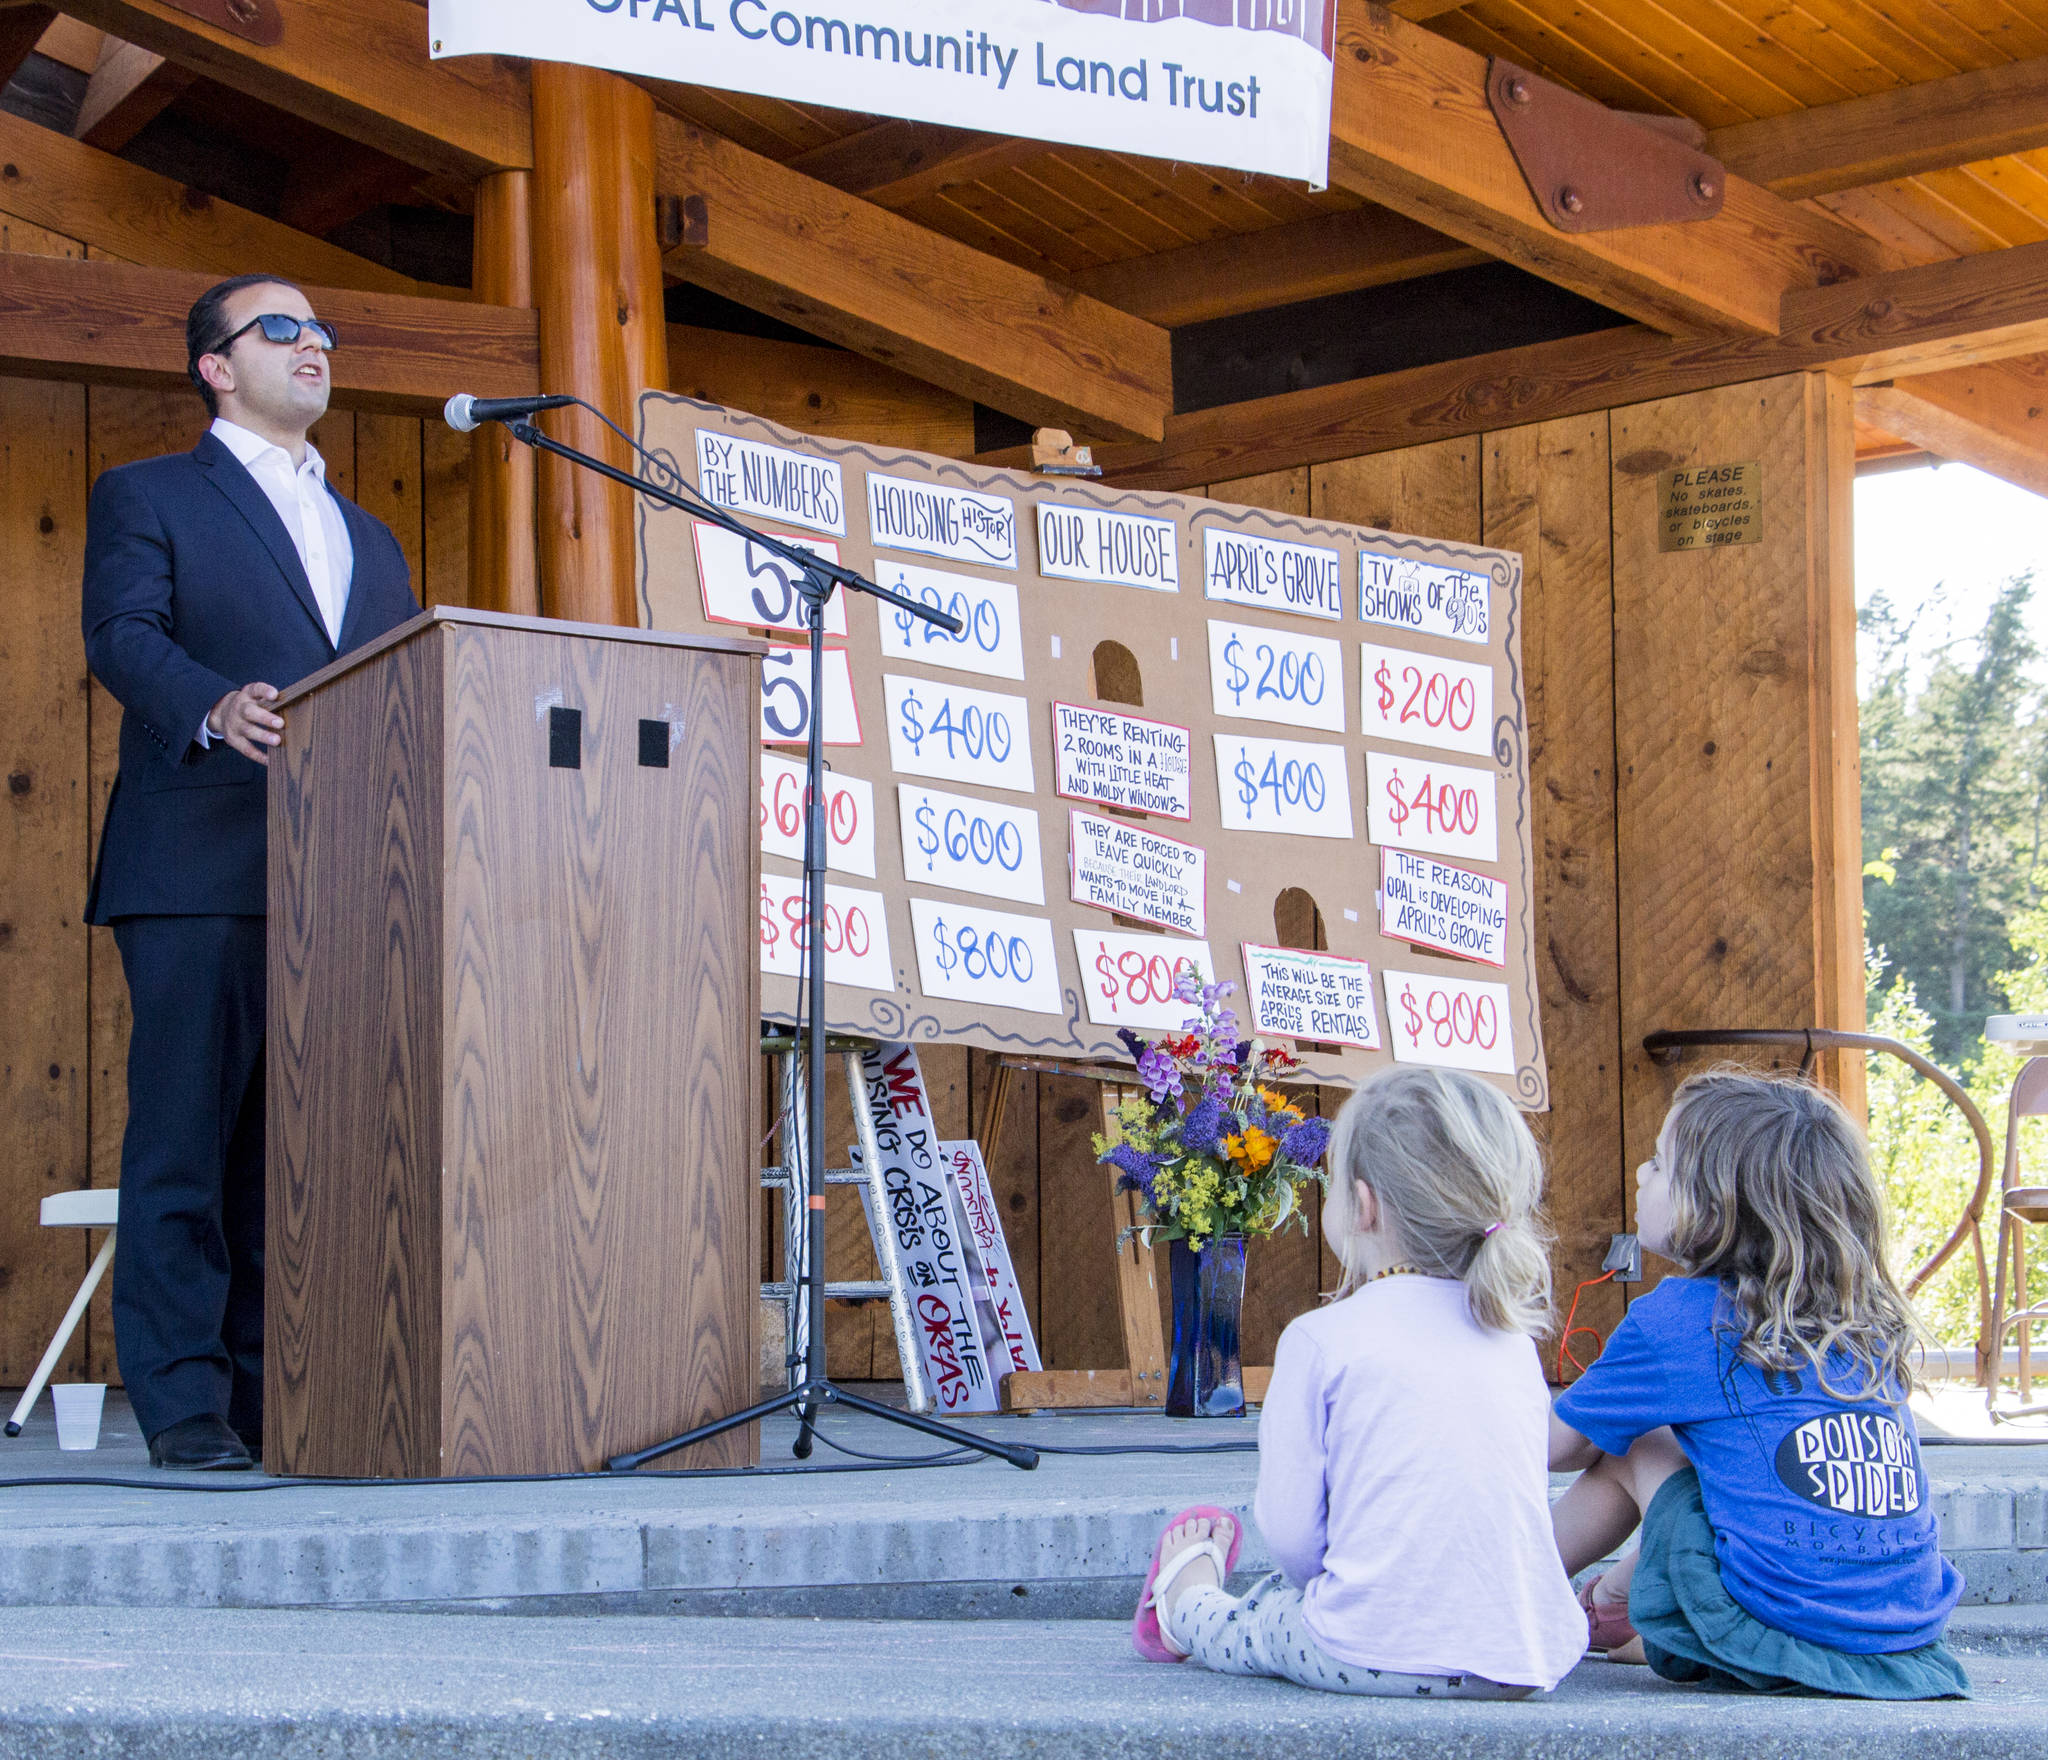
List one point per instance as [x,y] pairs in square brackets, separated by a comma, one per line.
[1278,1102]
[1253,1151]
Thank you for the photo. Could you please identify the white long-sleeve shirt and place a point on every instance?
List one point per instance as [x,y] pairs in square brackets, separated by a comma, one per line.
[1404,1487]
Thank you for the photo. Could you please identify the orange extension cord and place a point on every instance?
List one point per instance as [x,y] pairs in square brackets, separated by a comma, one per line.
[1564,1343]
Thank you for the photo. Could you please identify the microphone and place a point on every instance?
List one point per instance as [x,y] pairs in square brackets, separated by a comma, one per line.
[465,414]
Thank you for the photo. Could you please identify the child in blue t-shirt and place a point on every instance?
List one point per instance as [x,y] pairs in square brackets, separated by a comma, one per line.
[1752,1415]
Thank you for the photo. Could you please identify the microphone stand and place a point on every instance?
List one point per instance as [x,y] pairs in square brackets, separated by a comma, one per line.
[818,576]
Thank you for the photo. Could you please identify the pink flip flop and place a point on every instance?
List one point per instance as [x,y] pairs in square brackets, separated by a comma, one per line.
[1147,1638]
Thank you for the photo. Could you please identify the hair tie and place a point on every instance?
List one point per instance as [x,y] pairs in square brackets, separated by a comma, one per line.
[1490,1227]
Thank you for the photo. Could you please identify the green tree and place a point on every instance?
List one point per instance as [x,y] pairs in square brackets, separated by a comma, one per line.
[1955,789]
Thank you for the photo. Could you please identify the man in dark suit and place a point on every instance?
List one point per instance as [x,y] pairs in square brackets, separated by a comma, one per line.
[213,579]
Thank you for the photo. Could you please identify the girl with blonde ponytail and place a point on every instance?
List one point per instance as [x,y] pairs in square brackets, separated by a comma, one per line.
[1402,1489]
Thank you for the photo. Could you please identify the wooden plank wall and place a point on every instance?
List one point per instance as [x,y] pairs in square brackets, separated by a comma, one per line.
[63,1005]
[1691,783]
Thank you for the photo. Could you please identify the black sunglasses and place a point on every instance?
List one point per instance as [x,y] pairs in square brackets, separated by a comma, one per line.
[281,327]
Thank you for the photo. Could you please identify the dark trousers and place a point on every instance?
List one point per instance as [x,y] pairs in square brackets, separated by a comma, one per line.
[188,1261]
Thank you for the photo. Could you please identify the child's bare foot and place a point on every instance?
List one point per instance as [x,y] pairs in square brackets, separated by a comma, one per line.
[1198,1573]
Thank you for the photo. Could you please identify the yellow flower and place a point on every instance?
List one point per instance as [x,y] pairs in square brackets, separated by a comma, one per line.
[1278,1103]
[1253,1150]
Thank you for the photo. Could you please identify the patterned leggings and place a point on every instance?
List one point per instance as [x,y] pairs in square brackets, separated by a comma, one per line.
[1264,1633]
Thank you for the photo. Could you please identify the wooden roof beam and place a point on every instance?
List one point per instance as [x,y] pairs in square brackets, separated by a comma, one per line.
[1912,321]
[1251,271]
[1932,126]
[801,251]
[1410,128]
[21,29]
[896,163]
[1993,416]
[129,89]
[357,67]
[123,211]
[122,324]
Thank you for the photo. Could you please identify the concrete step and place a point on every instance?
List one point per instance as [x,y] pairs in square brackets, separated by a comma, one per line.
[154,1684]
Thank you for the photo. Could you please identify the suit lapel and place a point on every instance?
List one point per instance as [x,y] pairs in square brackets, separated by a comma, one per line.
[230,476]
[352,608]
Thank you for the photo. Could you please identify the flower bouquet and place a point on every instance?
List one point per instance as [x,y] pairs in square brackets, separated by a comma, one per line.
[1214,1154]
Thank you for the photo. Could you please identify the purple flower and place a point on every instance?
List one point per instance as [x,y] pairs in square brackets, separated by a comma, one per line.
[1188,988]
[1202,1127]
[1138,1169]
[1159,1073]
[1304,1143]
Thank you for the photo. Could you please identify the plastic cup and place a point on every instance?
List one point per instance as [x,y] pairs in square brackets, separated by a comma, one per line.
[79,1404]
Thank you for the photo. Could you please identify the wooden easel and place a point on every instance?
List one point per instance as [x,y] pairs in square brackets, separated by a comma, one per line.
[1141,1383]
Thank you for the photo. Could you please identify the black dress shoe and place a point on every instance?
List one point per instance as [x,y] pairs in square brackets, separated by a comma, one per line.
[201,1444]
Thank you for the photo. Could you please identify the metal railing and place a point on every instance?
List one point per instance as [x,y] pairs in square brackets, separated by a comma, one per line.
[1672,1044]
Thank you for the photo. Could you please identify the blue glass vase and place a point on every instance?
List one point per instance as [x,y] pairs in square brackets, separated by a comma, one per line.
[1205,1378]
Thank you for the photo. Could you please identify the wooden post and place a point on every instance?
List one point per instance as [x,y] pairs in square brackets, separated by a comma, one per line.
[503,571]
[597,283]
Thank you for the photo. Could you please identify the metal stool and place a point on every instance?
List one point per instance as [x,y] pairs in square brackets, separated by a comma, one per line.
[99,1208]
[788,1178]
[2018,1206]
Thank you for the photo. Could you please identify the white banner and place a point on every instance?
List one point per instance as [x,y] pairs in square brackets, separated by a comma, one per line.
[1238,83]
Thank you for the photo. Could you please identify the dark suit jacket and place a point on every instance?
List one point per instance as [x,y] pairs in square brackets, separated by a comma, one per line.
[192,589]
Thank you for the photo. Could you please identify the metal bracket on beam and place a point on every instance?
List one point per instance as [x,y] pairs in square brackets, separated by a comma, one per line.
[1592,169]
[254,21]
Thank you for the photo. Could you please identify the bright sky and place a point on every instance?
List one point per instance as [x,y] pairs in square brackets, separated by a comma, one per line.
[1950,528]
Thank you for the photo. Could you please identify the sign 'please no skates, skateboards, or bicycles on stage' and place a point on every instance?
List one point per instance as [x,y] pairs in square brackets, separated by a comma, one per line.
[1172,735]
[1238,83]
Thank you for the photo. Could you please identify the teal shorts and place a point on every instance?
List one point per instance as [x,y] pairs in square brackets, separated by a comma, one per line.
[1693,1630]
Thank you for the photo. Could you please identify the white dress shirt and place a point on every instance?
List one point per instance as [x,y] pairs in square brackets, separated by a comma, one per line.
[310,515]
[311,519]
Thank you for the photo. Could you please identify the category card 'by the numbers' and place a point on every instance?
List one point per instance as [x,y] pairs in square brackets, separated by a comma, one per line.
[1442,906]
[957,734]
[1426,700]
[1283,785]
[984,956]
[1456,1022]
[974,846]
[990,1251]
[849,816]
[856,933]
[989,640]
[1137,873]
[745,584]
[1119,760]
[1271,573]
[1129,979]
[1257,673]
[1446,809]
[1318,996]
[772,481]
[1081,543]
[936,519]
[1427,597]
[786,698]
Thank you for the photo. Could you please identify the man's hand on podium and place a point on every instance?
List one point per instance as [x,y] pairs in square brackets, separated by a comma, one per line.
[241,719]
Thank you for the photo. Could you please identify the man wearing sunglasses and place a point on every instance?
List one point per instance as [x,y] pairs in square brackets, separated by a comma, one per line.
[213,579]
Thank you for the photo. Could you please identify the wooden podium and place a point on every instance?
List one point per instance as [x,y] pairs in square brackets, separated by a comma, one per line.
[514,1164]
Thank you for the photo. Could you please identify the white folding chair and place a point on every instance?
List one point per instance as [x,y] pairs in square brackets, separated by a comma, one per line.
[93,1209]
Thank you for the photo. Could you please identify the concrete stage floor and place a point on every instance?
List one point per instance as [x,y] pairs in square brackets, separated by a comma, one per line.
[949,1609]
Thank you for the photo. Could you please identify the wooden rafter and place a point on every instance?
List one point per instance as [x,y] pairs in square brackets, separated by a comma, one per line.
[119,323]
[801,251]
[1932,126]
[1410,128]
[123,211]
[1993,416]
[896,163]
[21,28]
[1908,322]
[358,67]
[1250,271]
[130,88]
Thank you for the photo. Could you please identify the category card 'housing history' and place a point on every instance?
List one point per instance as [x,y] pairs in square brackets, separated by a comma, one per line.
[1171,735]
